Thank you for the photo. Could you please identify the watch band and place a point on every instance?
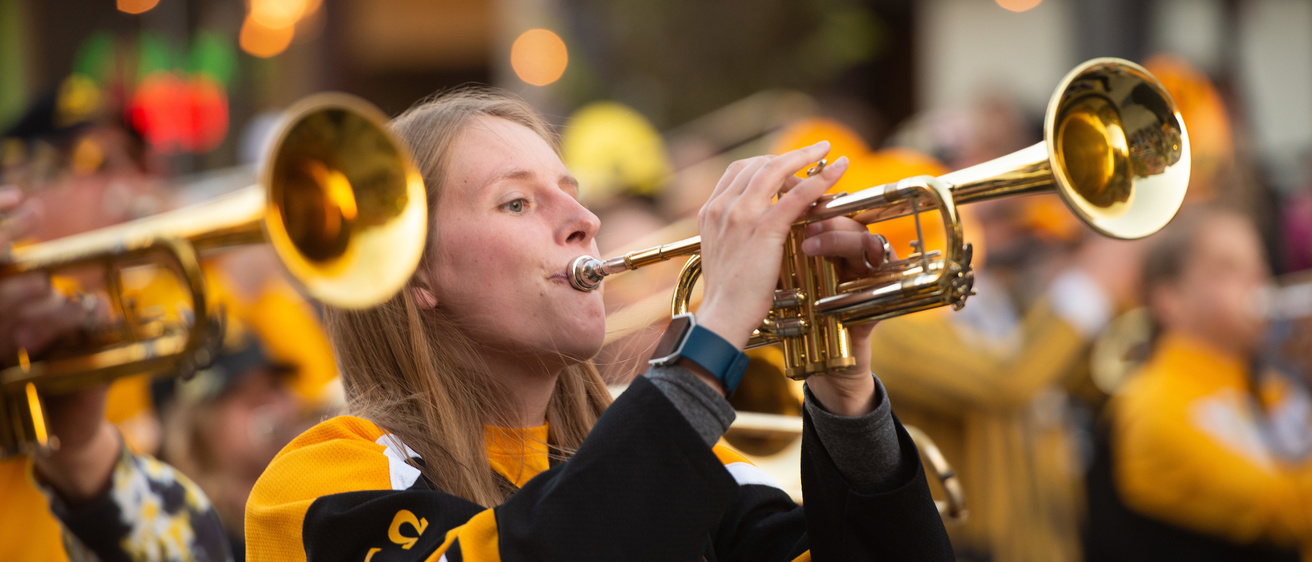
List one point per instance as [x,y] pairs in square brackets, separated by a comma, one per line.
[719,357]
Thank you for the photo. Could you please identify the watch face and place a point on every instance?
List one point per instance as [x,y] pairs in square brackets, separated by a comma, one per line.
[679,326]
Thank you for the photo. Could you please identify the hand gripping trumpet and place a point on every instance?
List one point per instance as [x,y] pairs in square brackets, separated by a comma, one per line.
[1114,149]
[339,201]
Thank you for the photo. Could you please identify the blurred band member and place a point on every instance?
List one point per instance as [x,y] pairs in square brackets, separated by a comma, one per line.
[225,424]
[1187,469]
[92,498]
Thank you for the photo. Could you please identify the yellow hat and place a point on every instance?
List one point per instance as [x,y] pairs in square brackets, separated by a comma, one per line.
[843,141]
[292,333]
[613,149]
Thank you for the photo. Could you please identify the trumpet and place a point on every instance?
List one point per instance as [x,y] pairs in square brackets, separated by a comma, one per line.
[339,201]
[1126,344]
[1114,149]
[1288,299]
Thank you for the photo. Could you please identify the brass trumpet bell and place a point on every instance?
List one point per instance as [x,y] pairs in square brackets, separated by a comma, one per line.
[346,209]
[338,199]
[1114,149]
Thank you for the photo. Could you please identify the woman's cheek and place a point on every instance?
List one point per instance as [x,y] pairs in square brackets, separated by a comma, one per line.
[1241,315]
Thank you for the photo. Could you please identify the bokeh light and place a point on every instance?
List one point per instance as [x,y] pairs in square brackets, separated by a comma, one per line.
[539,57]
[136,6]
[1018,5]
[159,110]
[263,41]
[178,113]
[277,14]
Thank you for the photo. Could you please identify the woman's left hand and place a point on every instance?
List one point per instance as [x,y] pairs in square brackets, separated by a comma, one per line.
[847,392]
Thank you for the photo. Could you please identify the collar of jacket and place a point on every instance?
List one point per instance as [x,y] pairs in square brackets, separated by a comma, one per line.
[517,453]
[1180,355]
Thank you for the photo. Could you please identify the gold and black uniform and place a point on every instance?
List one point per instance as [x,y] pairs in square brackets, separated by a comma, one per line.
[643,486]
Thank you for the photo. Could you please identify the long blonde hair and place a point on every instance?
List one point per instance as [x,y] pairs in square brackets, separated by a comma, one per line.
[413,371]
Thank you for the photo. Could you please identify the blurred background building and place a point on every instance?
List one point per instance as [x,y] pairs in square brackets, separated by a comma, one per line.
[231,61]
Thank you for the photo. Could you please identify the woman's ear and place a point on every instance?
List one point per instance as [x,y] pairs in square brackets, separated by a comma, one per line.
[423,297]
[419,289]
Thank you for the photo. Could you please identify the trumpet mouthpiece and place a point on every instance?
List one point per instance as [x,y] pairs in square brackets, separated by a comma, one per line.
[585,273]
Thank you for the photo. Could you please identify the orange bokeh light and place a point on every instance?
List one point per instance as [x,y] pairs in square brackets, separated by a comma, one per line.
[1018,5]
[539,57]
[262,41]
[277,14]
[136,6]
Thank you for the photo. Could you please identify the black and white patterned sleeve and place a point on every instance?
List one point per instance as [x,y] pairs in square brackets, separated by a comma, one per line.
[150,512]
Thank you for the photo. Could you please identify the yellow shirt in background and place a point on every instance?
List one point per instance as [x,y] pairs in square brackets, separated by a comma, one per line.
[1189,449]
[28,531]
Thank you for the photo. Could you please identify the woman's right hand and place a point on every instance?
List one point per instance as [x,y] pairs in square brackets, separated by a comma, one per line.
[743,235]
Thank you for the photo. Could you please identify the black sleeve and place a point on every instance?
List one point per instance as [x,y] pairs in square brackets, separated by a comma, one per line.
[643,486]
[762,524]
[899,523]
[837,523]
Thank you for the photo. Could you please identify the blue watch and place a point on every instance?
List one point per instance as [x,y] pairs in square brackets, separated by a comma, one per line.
[685,339]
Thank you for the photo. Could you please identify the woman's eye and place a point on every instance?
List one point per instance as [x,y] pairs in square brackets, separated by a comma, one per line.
[516,206]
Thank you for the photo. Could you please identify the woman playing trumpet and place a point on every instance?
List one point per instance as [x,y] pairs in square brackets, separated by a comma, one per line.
[479,430]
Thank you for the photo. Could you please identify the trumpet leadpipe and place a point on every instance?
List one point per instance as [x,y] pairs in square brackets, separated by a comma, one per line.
[586,272]
[1286,302]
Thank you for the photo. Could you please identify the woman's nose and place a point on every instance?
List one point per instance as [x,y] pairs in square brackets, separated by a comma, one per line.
[581,225]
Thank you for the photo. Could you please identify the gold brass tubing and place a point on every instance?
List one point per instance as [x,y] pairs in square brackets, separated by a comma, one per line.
[237,212]
[815,350]
[682,302]
[692,270]
[39,433]
[790,272]
[664,252]
[837,353]
[950,283]
[952,510]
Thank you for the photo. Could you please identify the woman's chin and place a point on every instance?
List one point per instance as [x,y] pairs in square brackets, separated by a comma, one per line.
[584,348]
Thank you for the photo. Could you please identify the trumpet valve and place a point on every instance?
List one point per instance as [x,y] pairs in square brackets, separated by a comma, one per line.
[791,327]
[789,298]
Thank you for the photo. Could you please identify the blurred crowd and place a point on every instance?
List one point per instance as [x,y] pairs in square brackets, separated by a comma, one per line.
[1100,399]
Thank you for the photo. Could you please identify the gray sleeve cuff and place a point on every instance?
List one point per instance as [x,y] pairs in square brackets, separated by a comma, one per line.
[708,412]
[865,448]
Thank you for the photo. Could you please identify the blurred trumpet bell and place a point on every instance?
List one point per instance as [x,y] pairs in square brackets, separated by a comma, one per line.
[338,199]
